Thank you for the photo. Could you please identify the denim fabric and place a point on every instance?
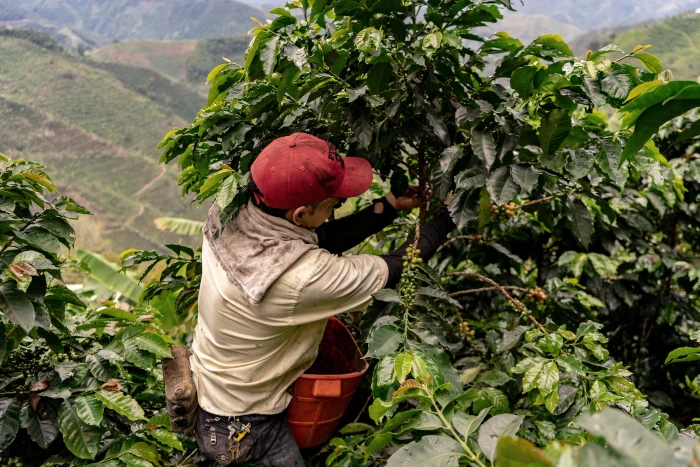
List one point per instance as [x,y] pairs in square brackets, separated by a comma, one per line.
[269,443]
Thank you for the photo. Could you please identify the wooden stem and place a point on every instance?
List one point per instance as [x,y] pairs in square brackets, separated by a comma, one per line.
[516,303]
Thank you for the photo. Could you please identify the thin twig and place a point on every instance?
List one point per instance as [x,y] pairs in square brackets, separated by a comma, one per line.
[487,289]
[458,237]
[359,414]
[516,303]
[537,201]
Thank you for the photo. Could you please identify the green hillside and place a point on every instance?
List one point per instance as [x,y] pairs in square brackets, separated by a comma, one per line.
[187,61]
[166,57]
[96,127]
[676,41]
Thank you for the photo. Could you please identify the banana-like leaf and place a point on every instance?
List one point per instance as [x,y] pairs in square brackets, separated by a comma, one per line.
[179,225]
[106,274]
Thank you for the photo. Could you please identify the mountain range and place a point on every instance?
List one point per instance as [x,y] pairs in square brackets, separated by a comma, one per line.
[95,114]
[94,23]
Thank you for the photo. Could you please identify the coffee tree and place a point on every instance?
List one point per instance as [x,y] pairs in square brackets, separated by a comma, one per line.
[577,241]
[78,379]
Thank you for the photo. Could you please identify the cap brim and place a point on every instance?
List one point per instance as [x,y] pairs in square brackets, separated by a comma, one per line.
[358,178]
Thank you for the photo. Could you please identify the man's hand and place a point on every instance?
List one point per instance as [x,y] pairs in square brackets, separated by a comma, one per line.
[407,201]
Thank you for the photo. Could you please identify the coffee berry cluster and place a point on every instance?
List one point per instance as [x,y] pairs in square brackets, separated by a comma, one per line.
[466,331]
[538,294]
[26,360]
[407,284]
[508,210]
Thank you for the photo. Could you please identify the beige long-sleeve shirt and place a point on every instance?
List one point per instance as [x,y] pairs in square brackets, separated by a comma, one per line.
[245,357]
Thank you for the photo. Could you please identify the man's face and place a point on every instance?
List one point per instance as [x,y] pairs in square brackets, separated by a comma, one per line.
[312,218]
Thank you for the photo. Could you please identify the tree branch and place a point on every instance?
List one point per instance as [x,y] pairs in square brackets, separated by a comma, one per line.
[487,289]
[516,303]
[458,237]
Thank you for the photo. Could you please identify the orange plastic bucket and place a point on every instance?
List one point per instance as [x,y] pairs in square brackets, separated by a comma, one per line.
[321,395]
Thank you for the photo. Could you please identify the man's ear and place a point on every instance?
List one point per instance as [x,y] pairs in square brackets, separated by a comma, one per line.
[298,214]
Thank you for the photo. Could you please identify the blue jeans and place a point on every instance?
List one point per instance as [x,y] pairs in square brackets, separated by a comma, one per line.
[269,443]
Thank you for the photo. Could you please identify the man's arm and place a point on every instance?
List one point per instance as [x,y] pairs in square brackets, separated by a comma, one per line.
[340,235]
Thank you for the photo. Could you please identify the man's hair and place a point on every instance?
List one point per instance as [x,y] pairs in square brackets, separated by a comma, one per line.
[253,189]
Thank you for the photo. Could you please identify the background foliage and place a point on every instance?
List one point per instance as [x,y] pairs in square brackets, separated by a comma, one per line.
[567,216]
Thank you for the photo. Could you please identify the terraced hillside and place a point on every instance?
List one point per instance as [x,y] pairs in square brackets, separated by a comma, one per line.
[166,57]
[187,61]
[676,41]
[96,128]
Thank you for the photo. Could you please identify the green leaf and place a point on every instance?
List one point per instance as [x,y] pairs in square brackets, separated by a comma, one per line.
[9,421]
[81,439]
[650,62]
[464,207]
[510,339]
[352,428]
[524,175]
[387,295]
[554,130]
[474,176]
[269,54]
[145,451]
[166,437]
[430,451]
[153,343]
[566,395]
[654,95]
[494,428]
[494,378]
[368,40]
[441,175]
[383,341]
[683,354]
[379,77]
[379,409]
[610,48]
[106,274]
[618,83]
[252,50]
[582,224]
[132,460]
[483,146]
[690,133]
[554,42]
[437,124]
[502,186]
[89,409]
[403,365]
[602,265]
[42,432]
[466,425]
[551,401]
[215,71]
[531,376]
[121,403]
[432,40]
[512,451]
[296,54]
[522,80]
[16,306]
[379,441]
[627,436]
[651,120]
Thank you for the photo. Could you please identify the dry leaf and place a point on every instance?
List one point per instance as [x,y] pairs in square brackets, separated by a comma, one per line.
[34,398]
[112,384]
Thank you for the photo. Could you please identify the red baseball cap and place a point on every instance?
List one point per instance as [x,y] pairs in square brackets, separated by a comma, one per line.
[301,169]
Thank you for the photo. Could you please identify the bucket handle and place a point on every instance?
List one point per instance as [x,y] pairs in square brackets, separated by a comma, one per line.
[326,388]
